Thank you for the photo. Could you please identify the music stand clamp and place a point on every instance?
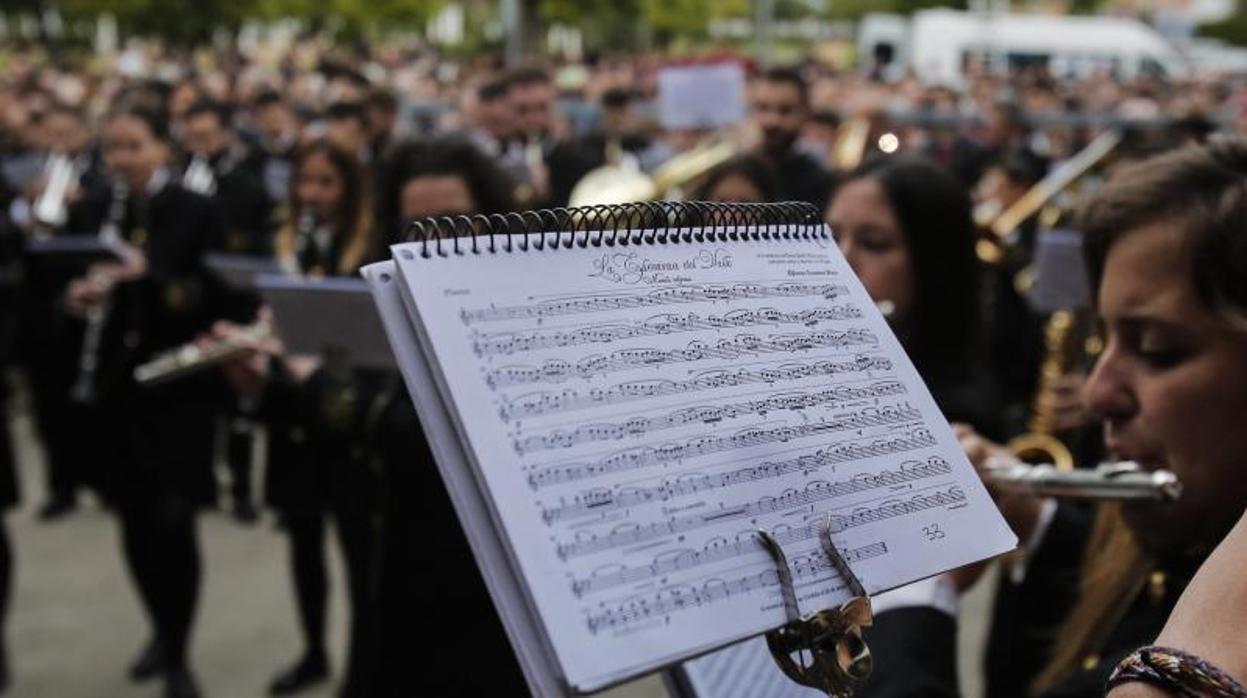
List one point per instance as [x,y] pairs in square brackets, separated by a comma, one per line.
[831,640]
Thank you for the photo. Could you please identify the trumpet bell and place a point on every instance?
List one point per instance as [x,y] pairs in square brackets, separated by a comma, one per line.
[613,184]
[625,182]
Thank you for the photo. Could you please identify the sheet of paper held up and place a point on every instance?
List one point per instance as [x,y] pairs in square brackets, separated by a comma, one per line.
[636,413]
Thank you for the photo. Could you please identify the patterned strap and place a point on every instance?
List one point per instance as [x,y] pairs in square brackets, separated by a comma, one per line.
[1177,672]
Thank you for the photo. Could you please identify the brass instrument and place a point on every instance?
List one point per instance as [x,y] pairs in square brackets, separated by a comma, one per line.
[1123,480]
[1060,349]
[50,209]
[192,357]
[993,246]
[852,138]
[624,182]
[83,389]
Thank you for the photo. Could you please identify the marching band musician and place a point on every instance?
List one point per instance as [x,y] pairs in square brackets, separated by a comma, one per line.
[367,425]
[1167,257]
[278,136]
[223,168]
[904,226]
[47,340]
[10,238]
[233,180]
[313,414]
[434,178]
[548,165]
[778,107]
[152,457]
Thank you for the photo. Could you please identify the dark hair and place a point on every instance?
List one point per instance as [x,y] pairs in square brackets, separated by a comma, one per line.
[616,98]
[526,77]
[382,99]
[751,167]
[267,98]
[342,111]
[354,219]
[153,119]
[489,185]
[933,211]
[223,113]
[1021,166]
[826,117]
[787,76]
[1201,189]
[57,107]
[492,90]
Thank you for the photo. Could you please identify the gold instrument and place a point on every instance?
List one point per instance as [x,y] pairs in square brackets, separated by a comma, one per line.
[624,182]
[852,138]
[50,209]
[1123,480]
[83,389]
[192,357]
[992,247]
[1060,349]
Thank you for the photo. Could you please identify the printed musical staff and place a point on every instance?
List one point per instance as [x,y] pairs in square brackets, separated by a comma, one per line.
[628,436]
[561,370]
[685,559]
[670,599]
[596,502]
[507,343]
[671,295]
[645,456]
[814,493]
[548,402]
[641,425]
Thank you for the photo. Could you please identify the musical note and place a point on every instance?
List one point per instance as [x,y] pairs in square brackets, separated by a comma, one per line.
[547,402]
[560,370]
[645,456]
[596,502]
[506,343]
[702,414]
[631,534]
[673,295]
[682,560]
[671,599]
[617,445]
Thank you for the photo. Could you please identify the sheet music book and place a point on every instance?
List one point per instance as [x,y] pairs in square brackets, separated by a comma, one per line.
[619,400]
[77,249]
[327,316]
[239,271]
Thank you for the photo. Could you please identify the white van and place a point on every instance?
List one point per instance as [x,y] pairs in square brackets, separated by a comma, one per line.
[940,43]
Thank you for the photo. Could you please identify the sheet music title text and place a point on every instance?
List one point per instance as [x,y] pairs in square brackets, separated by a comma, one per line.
[632,268]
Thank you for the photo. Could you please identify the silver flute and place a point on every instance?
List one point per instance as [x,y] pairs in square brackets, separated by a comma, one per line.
[193,357]
[1119,481]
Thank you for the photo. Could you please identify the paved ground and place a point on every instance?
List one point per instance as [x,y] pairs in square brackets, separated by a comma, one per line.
[75,623]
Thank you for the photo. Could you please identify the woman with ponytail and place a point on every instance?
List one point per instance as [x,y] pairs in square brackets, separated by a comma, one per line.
[1166,248]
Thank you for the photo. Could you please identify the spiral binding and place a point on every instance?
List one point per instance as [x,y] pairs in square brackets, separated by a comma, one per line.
[643,223]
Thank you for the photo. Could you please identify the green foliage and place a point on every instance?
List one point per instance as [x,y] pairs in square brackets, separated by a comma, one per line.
[854,9]
[1232,29]
[192,21]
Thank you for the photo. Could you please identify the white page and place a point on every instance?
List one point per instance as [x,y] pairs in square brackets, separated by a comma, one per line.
[504,588]
[635,413]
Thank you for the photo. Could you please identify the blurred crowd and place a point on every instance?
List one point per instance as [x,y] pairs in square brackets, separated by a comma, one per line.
[316,155]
